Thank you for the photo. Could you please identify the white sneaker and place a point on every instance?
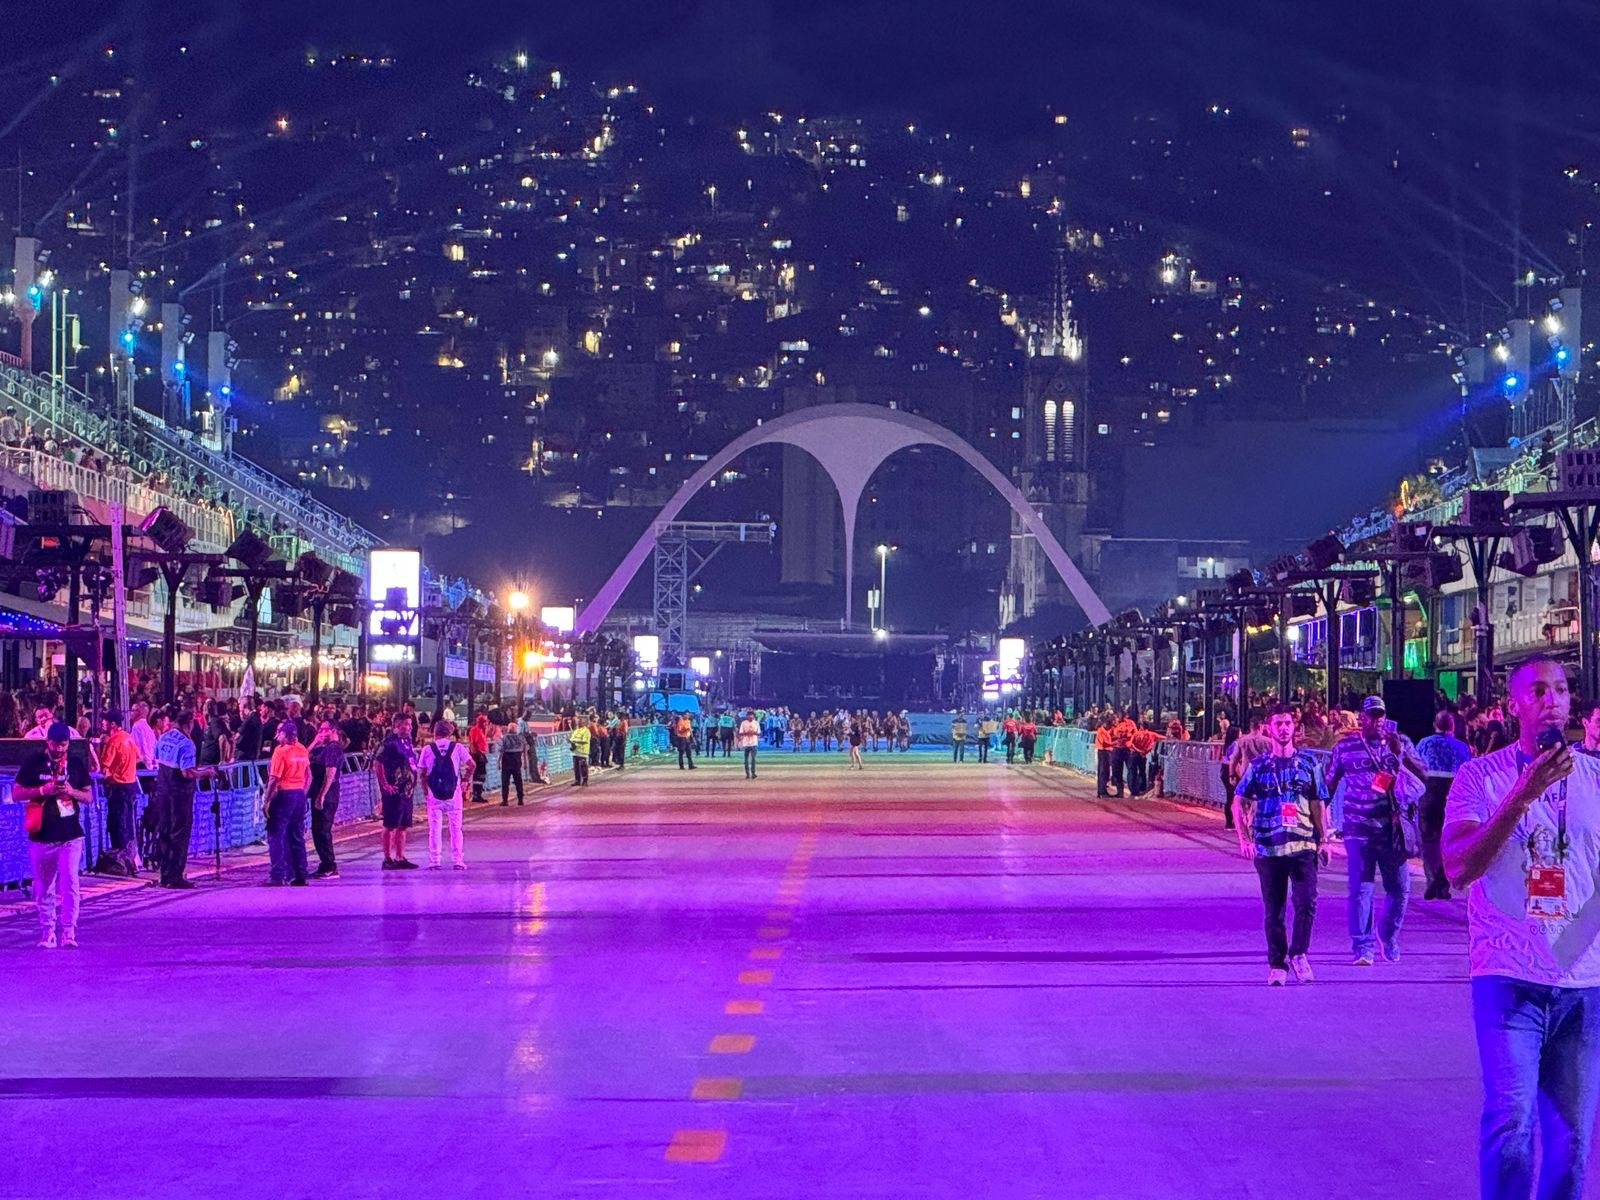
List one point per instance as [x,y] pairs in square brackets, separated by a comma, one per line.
[461,866]
[48,941]
[1364,959]
[433,866]
[1277,977]
[1301,966]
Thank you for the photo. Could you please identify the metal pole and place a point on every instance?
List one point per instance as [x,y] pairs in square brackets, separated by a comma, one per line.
[1330,606]
[1397,622]
[499,655]
[1157,677]
[1242,687]
[1285,675]
[74,612]
[169,632]
[883,588]
[315,689]
[119,610]
[1208,681]
[440,632]
[472,668]
[1183,681]
[1482,551]
[252,594]
[1133,679]
[1588,669]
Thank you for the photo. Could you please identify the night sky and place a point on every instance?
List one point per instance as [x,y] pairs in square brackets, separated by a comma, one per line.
[1483,104]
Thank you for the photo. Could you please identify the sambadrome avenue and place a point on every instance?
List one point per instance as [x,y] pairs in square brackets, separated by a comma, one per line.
[763,601]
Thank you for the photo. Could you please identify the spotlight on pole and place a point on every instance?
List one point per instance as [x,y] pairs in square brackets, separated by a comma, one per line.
[250,550]
[344,586]
[165,529]
[312,571]
[1323,553]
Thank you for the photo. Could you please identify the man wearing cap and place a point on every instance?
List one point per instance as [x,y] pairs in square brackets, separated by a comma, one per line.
[54,789]
[1368,762]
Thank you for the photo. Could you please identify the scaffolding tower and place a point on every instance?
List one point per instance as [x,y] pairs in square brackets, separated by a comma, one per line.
[683,548]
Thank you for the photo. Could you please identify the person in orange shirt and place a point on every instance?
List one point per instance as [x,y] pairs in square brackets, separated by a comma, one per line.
[1121,736]
[288,775]
[1140,743]
[1103,747]
[119,760]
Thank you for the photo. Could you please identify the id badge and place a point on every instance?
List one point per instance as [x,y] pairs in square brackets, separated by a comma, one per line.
[1289,812]
[67,808]
[1547,893]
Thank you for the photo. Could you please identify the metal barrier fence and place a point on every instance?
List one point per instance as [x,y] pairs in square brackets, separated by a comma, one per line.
[1189,770]
[228,813]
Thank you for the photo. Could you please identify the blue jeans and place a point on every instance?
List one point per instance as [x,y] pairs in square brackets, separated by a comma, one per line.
[286,836]
[1538,1047]
[122,799]
[1364,859]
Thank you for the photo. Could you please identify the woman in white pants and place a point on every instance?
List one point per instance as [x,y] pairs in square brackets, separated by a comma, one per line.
[443,766]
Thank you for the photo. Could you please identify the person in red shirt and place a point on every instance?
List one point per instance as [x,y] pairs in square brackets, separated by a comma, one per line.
[478,745]
[1027,737]
[1009,728]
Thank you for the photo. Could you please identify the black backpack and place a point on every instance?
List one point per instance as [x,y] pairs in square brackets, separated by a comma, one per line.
[442,777]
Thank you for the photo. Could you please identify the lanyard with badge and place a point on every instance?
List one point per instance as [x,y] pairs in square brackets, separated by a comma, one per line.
[1287,782]
[1547,872]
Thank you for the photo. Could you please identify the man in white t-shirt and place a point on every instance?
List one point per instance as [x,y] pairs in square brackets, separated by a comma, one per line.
[443,766]
[1522,828]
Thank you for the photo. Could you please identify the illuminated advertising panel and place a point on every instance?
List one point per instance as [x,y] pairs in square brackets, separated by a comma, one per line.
[394,581]
[648,647]
[561,618]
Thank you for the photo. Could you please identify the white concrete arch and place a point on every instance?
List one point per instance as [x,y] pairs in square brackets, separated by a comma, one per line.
[850,441]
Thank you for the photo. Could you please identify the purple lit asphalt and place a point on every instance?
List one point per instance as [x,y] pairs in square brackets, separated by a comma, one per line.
[918,980]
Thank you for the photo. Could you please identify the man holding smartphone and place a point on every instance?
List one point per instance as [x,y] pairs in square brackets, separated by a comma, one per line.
[1522,833]
[1369,761]
[54,788]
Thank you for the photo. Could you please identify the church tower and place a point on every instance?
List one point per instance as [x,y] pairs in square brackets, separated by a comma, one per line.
[1053,473]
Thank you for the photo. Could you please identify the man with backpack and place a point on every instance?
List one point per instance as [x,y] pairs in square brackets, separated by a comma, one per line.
[443,765]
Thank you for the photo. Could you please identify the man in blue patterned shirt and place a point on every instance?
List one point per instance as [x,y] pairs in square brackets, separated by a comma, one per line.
[1279,813]
[1443,753]
[1368,762]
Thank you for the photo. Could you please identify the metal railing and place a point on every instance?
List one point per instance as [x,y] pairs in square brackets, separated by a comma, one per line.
[162,448]
[212,526]
[1550,630]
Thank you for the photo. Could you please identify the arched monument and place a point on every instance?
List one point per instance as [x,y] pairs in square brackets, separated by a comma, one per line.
[850,442]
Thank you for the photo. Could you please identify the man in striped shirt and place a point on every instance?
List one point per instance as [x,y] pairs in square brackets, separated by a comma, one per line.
[1279,813]
[1368,762]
